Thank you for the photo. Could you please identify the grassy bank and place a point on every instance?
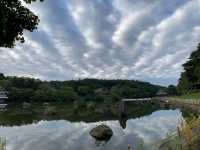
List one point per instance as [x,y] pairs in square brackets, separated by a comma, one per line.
[186,138]
[193,95]
[190,98]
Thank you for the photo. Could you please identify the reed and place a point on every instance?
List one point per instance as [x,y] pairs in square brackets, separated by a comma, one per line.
[186,138]
[2,144]
[190,134]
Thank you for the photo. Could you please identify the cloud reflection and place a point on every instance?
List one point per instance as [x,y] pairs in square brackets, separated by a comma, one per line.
[65,135]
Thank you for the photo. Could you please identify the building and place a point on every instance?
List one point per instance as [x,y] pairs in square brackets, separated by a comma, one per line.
[3,95]
[161,93]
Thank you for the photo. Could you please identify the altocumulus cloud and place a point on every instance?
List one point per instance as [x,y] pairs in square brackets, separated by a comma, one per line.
[129,39]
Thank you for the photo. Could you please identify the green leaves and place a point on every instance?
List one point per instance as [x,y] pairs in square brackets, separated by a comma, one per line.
[14,20]
[190,78]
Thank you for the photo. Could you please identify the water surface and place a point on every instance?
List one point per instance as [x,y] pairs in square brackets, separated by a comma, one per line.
[66,135]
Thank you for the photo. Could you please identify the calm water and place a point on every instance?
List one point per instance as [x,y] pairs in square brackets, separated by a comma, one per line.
[66,135]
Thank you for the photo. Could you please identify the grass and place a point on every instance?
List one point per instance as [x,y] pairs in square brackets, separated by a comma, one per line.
[195,95]
[187,137]
[2,144]
[191,98]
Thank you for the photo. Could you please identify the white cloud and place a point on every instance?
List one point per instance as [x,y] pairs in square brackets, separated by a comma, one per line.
[107,39]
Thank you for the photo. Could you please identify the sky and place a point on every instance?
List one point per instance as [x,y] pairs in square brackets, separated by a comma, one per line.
[146,40]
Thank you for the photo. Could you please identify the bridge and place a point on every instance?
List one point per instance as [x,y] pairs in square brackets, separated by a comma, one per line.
[136,100]
[123,104]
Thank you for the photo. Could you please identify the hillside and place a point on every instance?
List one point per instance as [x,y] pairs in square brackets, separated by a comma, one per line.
[28,89]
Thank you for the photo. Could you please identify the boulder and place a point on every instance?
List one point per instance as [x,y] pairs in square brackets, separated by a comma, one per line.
[101,133]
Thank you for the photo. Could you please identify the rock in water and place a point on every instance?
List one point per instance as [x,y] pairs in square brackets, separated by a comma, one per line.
[101,133]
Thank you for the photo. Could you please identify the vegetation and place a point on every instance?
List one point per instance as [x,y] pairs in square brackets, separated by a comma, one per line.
[187,137]
[172,90]
[2,144]
[191,96]
[14,19]
[190,78]
[23,89]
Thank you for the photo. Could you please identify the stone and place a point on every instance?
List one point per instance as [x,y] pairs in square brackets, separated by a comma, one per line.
[101,133]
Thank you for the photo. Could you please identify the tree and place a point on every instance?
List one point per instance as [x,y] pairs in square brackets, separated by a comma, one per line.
[85,90]
[183,85]
[190,78]
[171,90]
[2,77]
[14,19]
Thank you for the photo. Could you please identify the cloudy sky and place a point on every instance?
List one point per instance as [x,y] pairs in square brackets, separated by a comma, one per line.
[128,39]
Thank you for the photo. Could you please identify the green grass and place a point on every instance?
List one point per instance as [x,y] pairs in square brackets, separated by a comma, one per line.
[191,97]
[195,96]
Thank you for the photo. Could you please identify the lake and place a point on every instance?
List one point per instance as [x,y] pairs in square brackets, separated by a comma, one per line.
[143,131]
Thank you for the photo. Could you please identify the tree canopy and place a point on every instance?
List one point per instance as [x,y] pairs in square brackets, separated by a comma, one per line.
[22,89]
[14,19]
[190,78]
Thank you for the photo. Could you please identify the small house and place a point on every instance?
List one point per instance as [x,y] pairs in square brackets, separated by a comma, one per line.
[161,93]
[3,95]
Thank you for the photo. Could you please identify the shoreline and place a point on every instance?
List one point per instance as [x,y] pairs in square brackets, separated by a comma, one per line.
[178,102]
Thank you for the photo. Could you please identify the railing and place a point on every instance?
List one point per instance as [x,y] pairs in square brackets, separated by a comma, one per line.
[136,99]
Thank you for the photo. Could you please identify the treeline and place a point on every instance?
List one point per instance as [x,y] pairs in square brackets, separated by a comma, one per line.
[33,90]
[190,77]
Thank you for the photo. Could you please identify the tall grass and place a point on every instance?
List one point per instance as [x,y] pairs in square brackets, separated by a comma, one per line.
[187,137]
[190,134]
[2,144]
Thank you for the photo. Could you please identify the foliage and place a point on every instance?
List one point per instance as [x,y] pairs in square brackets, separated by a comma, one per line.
[171,90]
[187,137]
[23,89]
[184,85]
[190,134]
[14,19]
[191,96]
[190,78]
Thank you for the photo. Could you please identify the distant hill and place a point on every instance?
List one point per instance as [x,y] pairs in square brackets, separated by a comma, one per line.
[28,89]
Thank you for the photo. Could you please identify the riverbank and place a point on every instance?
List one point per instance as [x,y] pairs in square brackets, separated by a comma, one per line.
[192,105]
[187,136]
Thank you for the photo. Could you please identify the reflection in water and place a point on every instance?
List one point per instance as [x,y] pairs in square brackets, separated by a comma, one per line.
[123,119]
[65,135]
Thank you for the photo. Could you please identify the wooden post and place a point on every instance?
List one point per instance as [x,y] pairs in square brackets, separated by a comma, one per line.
[123,108]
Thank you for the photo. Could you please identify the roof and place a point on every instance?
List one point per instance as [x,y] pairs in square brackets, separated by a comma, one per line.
[3,94]
[161,92]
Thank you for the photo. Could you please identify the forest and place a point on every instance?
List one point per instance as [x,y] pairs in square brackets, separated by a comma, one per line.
[23,89]
[190,77]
